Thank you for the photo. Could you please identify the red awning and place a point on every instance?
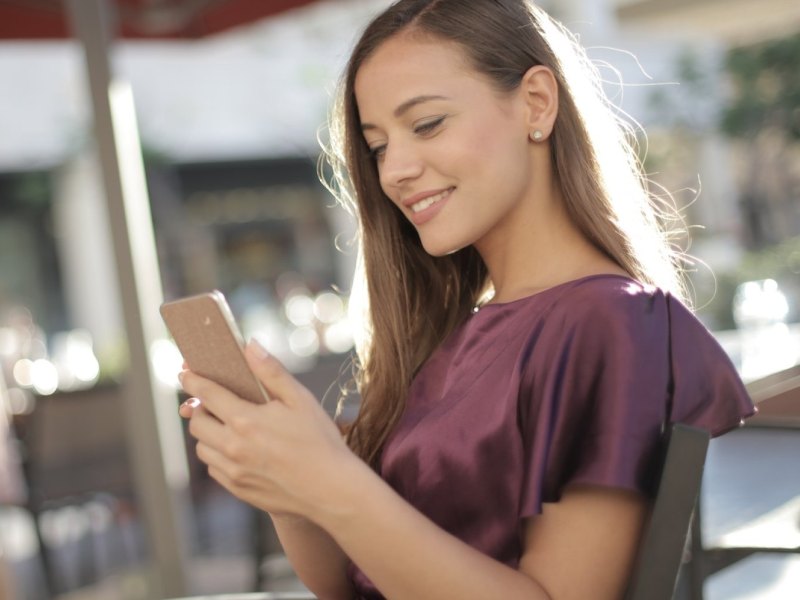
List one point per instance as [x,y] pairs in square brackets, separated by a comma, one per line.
[140,19]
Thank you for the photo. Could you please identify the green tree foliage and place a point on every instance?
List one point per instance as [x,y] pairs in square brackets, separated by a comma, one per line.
[766,80]
[763,115]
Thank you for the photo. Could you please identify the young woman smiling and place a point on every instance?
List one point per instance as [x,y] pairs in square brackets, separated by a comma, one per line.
[525,339]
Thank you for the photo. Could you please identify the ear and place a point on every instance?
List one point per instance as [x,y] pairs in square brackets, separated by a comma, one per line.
[540,94]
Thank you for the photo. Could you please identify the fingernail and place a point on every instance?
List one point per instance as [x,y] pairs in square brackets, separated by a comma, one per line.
[257,349]
[192,402]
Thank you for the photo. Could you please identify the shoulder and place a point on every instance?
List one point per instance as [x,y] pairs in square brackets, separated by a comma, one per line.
[606,303]
[599,323]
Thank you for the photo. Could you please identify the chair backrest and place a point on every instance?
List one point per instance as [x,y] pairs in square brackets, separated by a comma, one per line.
[664,539]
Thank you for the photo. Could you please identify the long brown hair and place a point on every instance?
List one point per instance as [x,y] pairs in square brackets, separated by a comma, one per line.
[414,300]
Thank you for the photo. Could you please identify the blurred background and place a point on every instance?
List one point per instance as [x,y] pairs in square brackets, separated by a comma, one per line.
[211,182]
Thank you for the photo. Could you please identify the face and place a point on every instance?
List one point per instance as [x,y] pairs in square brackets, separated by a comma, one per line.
[451,151]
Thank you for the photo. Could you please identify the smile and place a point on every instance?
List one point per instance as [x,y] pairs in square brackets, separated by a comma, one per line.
[430,201]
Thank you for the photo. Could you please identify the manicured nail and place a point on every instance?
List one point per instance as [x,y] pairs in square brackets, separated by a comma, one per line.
[257,349]
[192,402]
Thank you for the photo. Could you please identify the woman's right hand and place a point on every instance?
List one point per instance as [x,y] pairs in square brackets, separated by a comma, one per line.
[286,456]
[186,410]
[261,452]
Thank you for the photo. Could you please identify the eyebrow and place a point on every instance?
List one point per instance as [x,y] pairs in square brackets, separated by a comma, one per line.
[406,106]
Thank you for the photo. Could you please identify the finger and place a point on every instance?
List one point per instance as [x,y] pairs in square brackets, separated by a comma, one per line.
[208,430]
[219,467]
[241,491]
[237,482]
[279,383]
[186,409]
[216,399]
[213,457]
[225,469]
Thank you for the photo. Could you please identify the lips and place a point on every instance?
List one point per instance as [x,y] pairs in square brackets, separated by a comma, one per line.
[426,204]
[429,201]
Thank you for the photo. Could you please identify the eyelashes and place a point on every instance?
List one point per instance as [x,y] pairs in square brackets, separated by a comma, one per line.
[377,152]
[430,126]
[424,128]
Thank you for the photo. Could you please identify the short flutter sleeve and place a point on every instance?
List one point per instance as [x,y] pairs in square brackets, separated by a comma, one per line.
[609,370]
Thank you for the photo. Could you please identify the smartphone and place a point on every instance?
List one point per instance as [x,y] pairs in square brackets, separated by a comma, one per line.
[207,336]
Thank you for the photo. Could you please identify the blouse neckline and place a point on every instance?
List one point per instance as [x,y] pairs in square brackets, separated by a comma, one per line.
[498,305]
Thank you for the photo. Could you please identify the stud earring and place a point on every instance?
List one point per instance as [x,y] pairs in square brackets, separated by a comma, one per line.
[536,135]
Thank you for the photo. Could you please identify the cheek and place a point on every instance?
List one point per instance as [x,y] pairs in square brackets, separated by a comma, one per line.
[382,181]
[497,142]
[389,200]
[498,158]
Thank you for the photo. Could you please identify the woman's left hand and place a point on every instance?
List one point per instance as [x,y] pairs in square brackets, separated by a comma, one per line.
[282,456]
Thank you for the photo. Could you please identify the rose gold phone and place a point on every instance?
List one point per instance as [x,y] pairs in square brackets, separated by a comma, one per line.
[209,340]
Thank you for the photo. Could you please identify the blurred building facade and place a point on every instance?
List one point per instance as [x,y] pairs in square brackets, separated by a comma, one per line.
[262,93]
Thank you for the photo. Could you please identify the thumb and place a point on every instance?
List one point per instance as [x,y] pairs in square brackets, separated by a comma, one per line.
[277,381]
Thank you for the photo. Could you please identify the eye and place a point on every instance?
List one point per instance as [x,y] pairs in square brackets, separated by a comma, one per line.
[377,152]
[428,126]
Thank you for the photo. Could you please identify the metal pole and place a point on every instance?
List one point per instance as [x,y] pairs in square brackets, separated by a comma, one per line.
[6,582]
[154,434]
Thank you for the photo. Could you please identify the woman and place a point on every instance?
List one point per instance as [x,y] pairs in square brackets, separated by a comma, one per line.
[524,348]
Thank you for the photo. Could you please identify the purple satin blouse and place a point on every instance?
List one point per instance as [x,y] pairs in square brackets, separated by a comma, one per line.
[572,385]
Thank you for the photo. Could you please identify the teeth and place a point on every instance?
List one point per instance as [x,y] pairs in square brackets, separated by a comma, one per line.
[429,201]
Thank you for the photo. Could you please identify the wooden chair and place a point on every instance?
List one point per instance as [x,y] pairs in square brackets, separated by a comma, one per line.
[75,457]
[665,536]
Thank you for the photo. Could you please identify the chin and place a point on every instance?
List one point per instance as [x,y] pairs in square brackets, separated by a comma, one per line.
[439,248]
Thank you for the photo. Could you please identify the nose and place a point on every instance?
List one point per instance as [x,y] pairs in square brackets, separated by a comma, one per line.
[400,163]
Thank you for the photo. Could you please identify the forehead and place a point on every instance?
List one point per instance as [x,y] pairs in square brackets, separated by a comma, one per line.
[405,66]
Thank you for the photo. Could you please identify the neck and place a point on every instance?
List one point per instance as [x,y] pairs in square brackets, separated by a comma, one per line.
[541,247]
